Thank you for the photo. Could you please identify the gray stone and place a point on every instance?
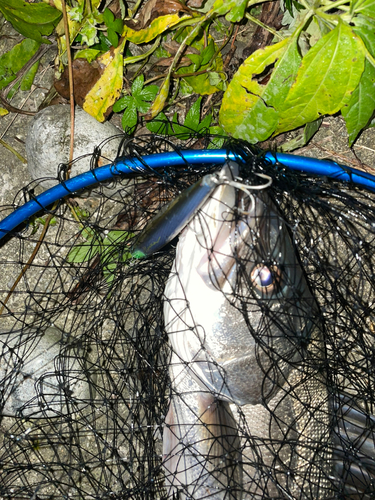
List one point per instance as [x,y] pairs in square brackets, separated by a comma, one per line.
[47,142]
[40,373]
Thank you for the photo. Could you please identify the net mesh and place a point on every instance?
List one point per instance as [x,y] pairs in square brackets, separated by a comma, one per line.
[93,375]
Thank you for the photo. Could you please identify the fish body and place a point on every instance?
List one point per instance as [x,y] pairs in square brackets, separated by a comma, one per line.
[241,324]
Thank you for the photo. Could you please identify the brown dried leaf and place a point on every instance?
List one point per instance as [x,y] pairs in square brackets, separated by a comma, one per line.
[172,47]
[154,9]
[85,75]
[195,4]
[167,61]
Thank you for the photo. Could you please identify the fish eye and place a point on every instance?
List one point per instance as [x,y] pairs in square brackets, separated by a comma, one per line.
[266,278]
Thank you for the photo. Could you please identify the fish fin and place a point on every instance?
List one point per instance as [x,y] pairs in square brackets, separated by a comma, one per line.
[201,448]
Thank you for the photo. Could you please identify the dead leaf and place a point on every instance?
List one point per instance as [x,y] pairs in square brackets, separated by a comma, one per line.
[195,4]
[172,47]
[85,75]
[167,61]
[107,89]
[154,9]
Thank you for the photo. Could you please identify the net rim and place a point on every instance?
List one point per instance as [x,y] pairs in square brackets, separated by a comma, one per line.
[126,167]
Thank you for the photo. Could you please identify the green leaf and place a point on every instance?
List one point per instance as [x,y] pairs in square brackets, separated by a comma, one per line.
[360,108]
[141,105]
[302,139]
[112,37]
[193,116]
[28,79]
[108,17]
[205,123]
[159,102]
[105,92]
[13,60]
[118,26]
[122,103]
[249,110]
[76,13]
[117,236]
[367,35]
[130,117]
[160,125]
[89,54]
[217,142]
[82,253]
[89,33]
[137,85]
[196,59]
[329,73]
[157,26]
[367,8]
[33,20]
[149,92]
[208,53]
[235,9]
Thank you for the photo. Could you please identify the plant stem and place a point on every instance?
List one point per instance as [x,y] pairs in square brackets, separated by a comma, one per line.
[370,58]
[9,148]
[264,26]
[340,3]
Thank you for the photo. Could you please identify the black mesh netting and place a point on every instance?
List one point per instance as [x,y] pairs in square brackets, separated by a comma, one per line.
[246,370]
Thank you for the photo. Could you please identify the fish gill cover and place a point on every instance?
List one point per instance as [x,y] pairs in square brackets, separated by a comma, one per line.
[237,362]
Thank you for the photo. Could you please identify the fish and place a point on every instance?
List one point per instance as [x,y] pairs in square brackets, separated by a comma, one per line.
[239,316]
[247,352]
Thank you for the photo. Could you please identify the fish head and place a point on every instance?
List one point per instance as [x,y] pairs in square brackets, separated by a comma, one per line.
[239,311]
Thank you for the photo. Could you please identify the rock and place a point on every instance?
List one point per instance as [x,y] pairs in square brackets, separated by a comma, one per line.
[47,142]
[40,373]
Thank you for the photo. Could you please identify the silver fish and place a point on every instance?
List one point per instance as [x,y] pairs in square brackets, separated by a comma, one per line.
[240,321]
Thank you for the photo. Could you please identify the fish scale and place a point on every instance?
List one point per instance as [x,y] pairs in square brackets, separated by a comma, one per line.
[224,353]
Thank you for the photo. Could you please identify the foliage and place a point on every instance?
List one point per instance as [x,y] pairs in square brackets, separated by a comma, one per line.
[137,101]
[321,62]
[109,249]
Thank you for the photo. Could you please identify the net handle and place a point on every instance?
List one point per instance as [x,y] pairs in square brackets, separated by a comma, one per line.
[126,167]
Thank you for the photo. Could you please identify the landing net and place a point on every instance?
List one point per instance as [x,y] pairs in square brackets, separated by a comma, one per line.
[86,385]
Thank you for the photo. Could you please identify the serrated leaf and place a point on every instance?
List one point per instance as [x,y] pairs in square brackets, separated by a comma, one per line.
[324,82]
[130,117]
[137,85]
[200,84]
[235,9]
[157,26]
[249,110]
[13,60]
[141,105]
[360,108]
[122,103]
[33,20]
[149,92]
[107,89]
